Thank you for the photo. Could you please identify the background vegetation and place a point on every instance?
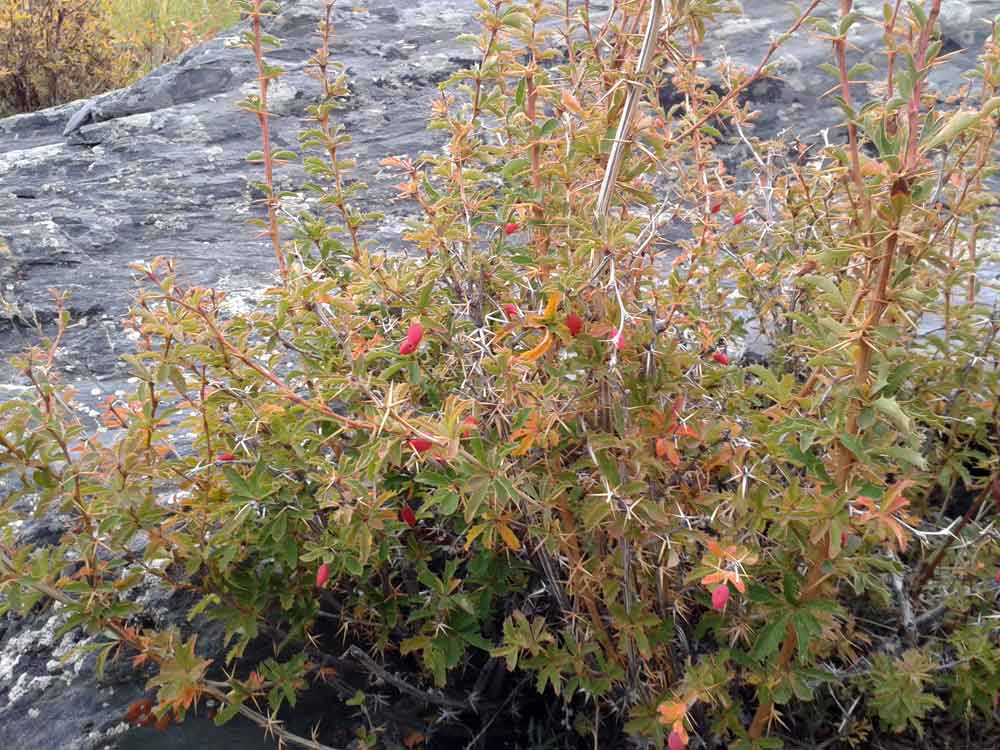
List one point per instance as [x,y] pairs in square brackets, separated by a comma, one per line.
[54,51]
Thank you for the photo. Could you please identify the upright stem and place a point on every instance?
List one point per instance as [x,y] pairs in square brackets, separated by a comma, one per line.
[879,274]
[263,81]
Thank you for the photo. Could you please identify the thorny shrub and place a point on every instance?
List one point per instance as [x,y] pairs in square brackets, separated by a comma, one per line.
[533,441]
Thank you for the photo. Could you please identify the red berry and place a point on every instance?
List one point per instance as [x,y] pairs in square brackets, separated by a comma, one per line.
[512,310]
[738,219]
[720,595]
[470,424]
[407,347]
[998,576]
[676,742]
[407,516]
[225,457]
[716,206]
[510,228]
[420,445]
[415,333]
[322,575]
[843,538]
[721,357]
[574,323]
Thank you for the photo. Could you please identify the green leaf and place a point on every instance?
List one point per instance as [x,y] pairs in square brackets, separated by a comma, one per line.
[907,455]
[236,481]
[891,408]
[515,167]
[957,123]
[549,127]
[769,638]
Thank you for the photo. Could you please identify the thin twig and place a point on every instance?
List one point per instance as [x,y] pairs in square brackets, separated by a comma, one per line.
[992,488]
[403,686]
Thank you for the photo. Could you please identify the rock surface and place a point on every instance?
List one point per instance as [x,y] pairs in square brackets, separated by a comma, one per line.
[159,169]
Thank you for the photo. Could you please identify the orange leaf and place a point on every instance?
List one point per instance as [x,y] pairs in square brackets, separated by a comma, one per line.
[414,739]
[661,447]
[671,712]
[509,537]
[540,350]
[672,455]
[571,103]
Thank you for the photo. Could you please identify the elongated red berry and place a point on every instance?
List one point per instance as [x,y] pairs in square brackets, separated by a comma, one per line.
[998,576]
[716,206]
[415,333]
[470,424]
[510,228]
[574,323]
[512,310]
[407,347]
[676,742]
[420,444]
[225,458]
[322,575]
[738,219]
[407,516]
[720,595]
[721,357]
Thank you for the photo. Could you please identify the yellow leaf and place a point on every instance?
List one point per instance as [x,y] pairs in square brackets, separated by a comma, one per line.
[509,537]
[552,305]
[474,532]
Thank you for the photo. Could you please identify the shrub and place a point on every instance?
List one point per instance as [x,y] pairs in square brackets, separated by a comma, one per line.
[52,51]
[533,442]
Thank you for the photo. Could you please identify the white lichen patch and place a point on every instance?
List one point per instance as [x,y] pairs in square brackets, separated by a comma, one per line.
[26,684]
[26,642]
[118,729]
